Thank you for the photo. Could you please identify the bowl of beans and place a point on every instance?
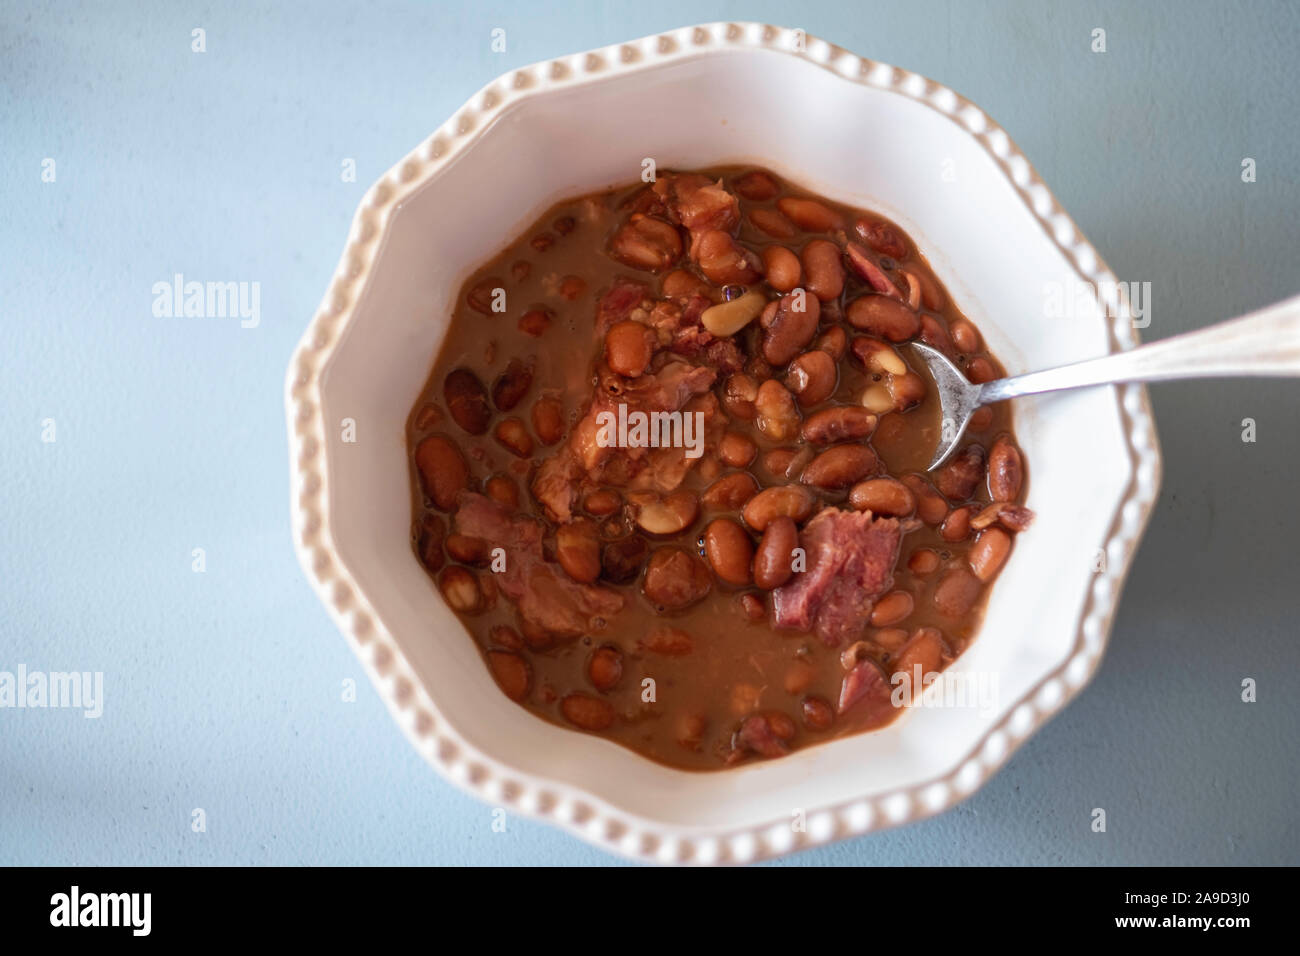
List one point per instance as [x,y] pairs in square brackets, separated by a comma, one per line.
[610,446]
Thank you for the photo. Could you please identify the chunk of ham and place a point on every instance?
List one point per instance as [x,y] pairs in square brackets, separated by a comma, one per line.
[545,596]
[698,203]
[850,562]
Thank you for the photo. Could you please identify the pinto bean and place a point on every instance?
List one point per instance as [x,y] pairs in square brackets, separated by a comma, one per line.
[756,184]
[587,712]
[989,553]
[484,294]
[981,420]
[838,423]
[621,561]
[736,450]
[468,549]
[505,636]
[980,370]
[935,334]
[512,384]
[628,348]
[536,321]
[577,549]
[892,608]
[957,591]
[1012,517]
[512,435]
[808,214]
[883,316]
[812,377]
[923,562]
[840,466]
[906,390]
[789,324]
[443,470]
[548,420]
[739,393]
[960,476]
[778,416]
[675,578]
[724,261]
[964,336]
[729,551]
[956,527]
[467,400]
[824,271]
[730,492]
[1006,473]
[602,502]
[882,237]
[460,589]
[924,649]
[751,607]
[680,284]
[930,505]
[511,672]
[728,318]
[773,223]
[878,357]
[883,496]
[793,501]
[503,490]
[671,514]
[644,242]
[834,342]
[430,532]
[605,667]
[817,713]
[774,560]
[782,267]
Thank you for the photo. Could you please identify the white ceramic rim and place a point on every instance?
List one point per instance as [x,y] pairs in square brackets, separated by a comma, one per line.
[574,809]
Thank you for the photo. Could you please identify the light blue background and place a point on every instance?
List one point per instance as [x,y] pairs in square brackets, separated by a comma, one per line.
[223,688]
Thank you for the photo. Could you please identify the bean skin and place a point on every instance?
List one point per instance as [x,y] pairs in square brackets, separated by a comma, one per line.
[587,712]
[773,563]
[793,501]
[511,672]
[729,551]
[823,269]
[957,592]
[840,466]
[1006,473]
[628,348]
[989,553]
[467,401]
[783,268]
[443,470]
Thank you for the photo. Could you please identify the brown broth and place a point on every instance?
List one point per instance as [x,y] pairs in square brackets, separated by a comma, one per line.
[737,667]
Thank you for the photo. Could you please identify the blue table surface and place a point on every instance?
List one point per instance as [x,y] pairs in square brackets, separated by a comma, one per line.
[222,689]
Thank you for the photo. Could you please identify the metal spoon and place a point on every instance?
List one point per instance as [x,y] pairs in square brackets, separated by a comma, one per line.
[1263,343]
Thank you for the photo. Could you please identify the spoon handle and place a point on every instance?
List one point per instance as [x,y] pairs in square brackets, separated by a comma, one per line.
[1263,343]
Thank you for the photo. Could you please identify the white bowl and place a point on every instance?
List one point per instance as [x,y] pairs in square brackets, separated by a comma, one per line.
[861,132]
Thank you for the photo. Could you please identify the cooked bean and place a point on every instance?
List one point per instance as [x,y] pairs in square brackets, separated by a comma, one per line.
[778,416]
[980,370]
[680,284]
[644,242]
[935,334]
[834,342]
[621,561]
[728,318]
[956,526]
[923,649]
[752,608]
[808,214]
[778,461]
[675,578]
[468,549]
[798,677]
[482,297]
[512,384]
[548,420]
[724,261]
[907,390]
[430,532]
[876,398]
[739,393]
[503,490]
[736,450]
[668,641]
[577,549]
[812,377]
[782,268]
[817,713]
[883,496]
[690,730]
[793,501]
[958,478]
[602,502]
[889,639]
[467,401]
[981,420]
[512,435]
[536,321]
[756,185]
[730,492]
[923,562]
[892,608]
[460,590]
[878,357]
[883,316]
[824,271]
[773,223]
[840,466]
[989,553]
[664,515]
[511,673]
[866,269]
[505,636]
[774,560]
[729,551]
[628,348]
[838,423]
[1006,473]
[957,592]
[930,505]
[964,336]
[605,668]
[1012,517]
[443,470]
[881,237]
[789,324]
[587,712]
